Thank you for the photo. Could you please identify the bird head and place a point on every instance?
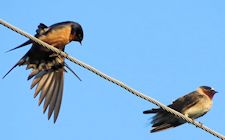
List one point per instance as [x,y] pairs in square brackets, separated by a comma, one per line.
[207,90]
[77,32]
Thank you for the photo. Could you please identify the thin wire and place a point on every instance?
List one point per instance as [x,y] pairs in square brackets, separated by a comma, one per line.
[113,80]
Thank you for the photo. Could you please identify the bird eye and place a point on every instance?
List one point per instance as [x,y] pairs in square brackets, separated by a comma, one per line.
[80,36]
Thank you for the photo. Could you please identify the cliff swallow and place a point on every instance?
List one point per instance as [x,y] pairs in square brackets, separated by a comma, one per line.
[192,105]
[47,67]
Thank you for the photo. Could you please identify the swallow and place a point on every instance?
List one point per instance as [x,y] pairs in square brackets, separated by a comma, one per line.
[47,68]
[192,105]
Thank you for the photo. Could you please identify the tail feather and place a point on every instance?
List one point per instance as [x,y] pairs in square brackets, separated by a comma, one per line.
[161,117]
[159,123]
[161,127]
[162,120]
[10,70]
[154,110]
[72,71]
[19,63]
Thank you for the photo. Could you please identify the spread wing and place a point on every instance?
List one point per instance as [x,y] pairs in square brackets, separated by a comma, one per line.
[47,68]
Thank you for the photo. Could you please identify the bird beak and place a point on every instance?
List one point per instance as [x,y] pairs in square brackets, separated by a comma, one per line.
[80,43]
[214,91]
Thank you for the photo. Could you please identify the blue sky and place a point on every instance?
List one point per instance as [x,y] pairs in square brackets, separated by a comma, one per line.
[164,49]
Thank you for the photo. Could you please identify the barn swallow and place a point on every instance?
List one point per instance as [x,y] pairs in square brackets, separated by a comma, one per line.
[192,105]
[47,67]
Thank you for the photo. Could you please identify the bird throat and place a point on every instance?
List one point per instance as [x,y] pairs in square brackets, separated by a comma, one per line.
[210,94]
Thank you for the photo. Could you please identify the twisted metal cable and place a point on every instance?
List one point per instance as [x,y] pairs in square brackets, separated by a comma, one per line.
[113,80]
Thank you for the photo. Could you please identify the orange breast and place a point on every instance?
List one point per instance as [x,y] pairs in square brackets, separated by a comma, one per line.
[58,37]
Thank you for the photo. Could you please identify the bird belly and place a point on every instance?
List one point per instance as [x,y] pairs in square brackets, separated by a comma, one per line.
[198,110]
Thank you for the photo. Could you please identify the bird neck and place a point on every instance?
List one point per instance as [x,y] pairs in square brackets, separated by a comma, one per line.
[209,94]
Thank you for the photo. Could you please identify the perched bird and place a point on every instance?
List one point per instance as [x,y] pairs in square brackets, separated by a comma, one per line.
[47,67]
[192,105]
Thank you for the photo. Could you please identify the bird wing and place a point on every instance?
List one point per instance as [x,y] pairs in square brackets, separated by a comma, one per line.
[42,29]
[187,101]
[181,103]
[164,120]
[47,68]
[49,81]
